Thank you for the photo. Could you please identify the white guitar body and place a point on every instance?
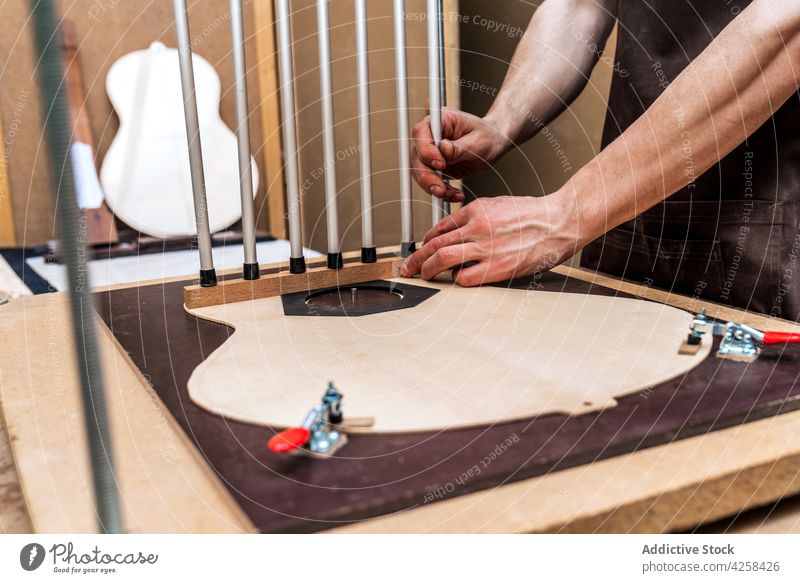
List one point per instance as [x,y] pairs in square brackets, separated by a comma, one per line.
[145,173]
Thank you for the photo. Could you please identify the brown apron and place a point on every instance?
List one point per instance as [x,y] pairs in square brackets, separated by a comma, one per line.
[733,235]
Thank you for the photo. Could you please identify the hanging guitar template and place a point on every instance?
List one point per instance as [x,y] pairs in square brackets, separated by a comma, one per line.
[145,173]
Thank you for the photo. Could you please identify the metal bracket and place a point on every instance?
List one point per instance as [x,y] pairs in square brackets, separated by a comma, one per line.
[740,342]
[320,434]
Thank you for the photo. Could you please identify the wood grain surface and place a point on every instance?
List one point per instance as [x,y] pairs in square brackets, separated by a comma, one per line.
[8,237]
[519,354]
[165,484]
[670,487]
[231,291]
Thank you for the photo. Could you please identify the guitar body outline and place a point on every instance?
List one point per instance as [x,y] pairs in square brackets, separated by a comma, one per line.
[145,173]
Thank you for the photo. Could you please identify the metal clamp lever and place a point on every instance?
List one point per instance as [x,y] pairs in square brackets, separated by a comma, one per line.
[740,342]
[317,435]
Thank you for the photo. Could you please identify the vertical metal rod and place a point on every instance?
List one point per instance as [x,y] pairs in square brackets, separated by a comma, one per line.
[435,92]
[443,73]
[368,252]
[403,140]
[250,267]
[58,130]
[328,135]
[297,262]
[208,276]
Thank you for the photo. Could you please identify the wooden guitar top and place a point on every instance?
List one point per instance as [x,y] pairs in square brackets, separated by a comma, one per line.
[463,358]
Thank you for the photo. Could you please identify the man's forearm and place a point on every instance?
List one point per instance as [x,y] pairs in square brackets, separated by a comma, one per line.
[728,92]
[552,65]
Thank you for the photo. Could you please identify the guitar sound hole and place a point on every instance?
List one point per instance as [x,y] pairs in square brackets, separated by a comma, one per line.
[359,297]
[364,299]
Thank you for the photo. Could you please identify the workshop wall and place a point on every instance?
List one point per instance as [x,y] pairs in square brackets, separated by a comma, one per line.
[105,30]
[386,180]
[108,29]
[490,32]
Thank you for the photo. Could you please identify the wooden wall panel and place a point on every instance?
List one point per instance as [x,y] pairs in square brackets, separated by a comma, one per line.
[384,121]
[266,65]
[8,236]
[106,30]
[490,32]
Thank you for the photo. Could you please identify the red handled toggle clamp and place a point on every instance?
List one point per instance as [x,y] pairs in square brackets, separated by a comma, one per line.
[740,342]
[318,436]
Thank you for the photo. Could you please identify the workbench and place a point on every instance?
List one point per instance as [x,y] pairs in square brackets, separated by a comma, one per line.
[168,486]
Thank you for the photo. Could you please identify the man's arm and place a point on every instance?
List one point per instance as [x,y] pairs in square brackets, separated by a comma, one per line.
[742,78]
[551,66]
[729,91]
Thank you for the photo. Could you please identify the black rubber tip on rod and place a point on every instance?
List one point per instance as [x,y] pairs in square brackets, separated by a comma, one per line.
[369,255]
[208,277]
[335,261]
[406,249]
[251,272]
[297,265]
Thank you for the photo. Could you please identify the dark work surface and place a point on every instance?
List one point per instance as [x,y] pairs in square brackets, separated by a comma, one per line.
[380,474]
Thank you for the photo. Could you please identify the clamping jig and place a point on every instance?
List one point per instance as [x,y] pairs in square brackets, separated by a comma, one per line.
[319,435]
[740,342]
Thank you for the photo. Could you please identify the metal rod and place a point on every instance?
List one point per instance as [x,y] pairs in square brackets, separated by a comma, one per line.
[403,139]
[435,92]
[208,276]
[443,74]
[328,136]
[297,260]
[58,130]
[368,254]
[250,267]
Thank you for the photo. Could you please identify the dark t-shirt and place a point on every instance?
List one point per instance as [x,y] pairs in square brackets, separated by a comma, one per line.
[733,235]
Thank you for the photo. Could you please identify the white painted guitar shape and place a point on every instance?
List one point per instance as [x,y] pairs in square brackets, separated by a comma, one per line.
[145,173]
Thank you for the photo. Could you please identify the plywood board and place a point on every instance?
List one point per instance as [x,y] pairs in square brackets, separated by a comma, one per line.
[105,31]
[13,514]
[673,486]
[165,485]
[383,474]
[8,237]
[385,145]
[518,354]
[268,84]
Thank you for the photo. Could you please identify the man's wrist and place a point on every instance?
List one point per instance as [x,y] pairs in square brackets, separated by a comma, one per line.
[577,216]
[501,134]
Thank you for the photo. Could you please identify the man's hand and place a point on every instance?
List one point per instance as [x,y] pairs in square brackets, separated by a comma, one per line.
[469,145]
[498,239]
